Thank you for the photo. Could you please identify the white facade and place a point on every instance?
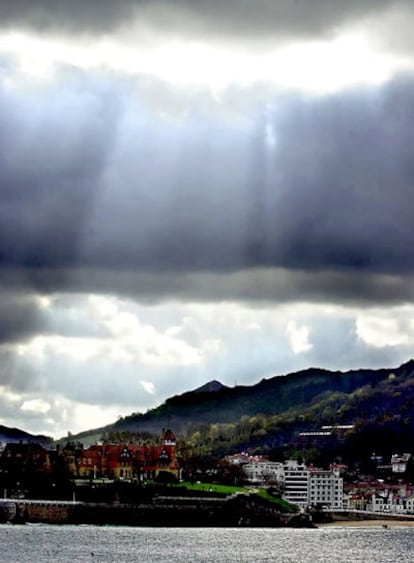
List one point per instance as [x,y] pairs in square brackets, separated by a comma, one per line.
[399,462]
[264,471]
[310,487]
[325,488]
[302,486]
[296,490]
[409,503]
[387,502]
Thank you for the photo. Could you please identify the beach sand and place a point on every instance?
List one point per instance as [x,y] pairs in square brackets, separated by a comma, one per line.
[368,523]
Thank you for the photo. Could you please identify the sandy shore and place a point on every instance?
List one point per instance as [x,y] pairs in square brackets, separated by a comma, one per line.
[369,523]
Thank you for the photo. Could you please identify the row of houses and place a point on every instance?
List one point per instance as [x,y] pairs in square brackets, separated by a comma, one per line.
[378,496]
[101,460]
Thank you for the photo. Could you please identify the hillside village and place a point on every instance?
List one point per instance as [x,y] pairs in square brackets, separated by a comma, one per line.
[31,470]
[388,490]
[312,440]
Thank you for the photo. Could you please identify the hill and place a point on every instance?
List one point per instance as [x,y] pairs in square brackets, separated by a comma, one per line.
[377,417]
[215,403]
[13,435]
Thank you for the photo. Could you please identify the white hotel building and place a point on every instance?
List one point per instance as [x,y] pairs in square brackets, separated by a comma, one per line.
[325,488]
[305,486]
[296,483]
[302,485]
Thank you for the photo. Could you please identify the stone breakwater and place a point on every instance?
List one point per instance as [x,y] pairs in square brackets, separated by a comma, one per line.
[188,512]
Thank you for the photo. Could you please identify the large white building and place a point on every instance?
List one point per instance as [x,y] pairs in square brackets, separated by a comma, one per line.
[305,486]
[296,483]
[302,485]
[325,488]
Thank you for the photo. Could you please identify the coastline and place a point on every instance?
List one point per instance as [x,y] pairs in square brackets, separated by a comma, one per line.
[233,511]
[367,524]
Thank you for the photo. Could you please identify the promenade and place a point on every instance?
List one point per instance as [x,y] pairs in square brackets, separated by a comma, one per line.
[355,515]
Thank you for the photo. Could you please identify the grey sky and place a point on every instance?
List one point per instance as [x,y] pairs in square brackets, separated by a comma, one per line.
[85,186]
[230,17]
[158,230]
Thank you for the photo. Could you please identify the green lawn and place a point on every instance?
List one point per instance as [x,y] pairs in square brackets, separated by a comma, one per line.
[283,505]
[212,488]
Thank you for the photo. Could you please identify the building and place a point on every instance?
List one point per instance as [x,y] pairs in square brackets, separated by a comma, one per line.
[409,504]
[356,501]
[129,461]
[71,454]
[26,457]
[387,501]
[242,458]
[399,462]
[325,488]
[308,486]
[296,483]
[264,471]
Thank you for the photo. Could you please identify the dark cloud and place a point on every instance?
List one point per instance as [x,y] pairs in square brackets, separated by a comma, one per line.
[335,193]
[24,315]
[265,19]
[226,18]
[254,286]
[99,191]
[19,317]
[53,150]
[344,183]
[101,15]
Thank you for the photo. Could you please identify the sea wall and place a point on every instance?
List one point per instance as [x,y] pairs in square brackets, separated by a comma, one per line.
[181,512]
[56,514]
[20,512]
[241,511]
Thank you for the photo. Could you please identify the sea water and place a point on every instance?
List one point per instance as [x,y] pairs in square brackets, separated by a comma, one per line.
[45,543]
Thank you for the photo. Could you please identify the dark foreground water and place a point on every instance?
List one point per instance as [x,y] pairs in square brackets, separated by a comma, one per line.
[38,543]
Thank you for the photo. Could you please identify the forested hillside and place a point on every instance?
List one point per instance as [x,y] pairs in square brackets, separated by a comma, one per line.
[215,419]
[381,413]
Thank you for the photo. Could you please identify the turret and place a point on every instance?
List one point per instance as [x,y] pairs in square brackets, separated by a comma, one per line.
[168,438]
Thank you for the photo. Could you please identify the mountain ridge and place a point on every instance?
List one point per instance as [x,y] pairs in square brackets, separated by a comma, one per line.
[13,435]
[271,396]
[210,387]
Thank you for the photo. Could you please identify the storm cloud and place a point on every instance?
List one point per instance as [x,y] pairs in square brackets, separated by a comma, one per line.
[199,190]
[89,184]
[226,18]
[19,315]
